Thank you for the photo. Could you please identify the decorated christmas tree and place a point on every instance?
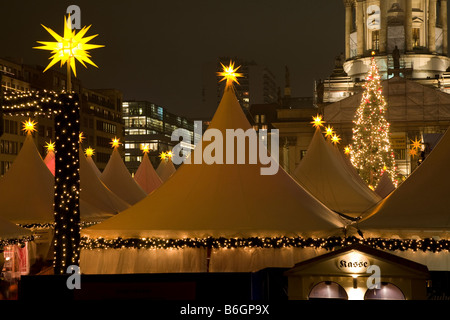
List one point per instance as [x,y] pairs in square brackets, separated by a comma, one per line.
[371,152]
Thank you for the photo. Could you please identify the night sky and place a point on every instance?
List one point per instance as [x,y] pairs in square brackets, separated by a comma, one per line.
[155,49]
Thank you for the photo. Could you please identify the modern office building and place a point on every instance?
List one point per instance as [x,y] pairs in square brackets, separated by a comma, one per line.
[148,124]
[100,112]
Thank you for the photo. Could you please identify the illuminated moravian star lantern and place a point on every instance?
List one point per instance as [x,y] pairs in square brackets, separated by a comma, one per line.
[329,131]
[347,150]
[229,74]
[29,126]
[416,144]
[163,156]
[413,152]
[89,152]
[146,149]
[115,142]
[69,47]
[50,146]
[335,139]
[317,121]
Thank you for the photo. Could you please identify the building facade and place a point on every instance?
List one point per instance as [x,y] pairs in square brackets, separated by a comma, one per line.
[100,112]
[148,124]
[408,38]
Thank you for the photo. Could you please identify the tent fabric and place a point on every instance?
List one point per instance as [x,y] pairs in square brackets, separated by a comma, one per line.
[385,186]
[94,166]
[408,100]
[146,176]
[191,260]
[49,161]
[165,169]
[95,192]
[421,203]
[119,180]
[223,200]
[10,231]
[326,174]
[27,191]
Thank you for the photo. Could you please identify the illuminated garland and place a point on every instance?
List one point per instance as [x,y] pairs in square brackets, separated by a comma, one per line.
[51,225]
[260,242]
[21,241]
[371,153]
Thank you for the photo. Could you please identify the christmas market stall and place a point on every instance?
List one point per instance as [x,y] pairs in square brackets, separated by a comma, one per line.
[216,216]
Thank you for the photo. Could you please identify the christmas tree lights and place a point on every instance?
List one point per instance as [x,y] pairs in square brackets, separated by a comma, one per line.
[371,152]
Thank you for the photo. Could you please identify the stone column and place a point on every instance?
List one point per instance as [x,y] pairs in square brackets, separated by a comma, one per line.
[348,26]
[408,26]
[444,27]
[383,26]
[432,26]
[360,27]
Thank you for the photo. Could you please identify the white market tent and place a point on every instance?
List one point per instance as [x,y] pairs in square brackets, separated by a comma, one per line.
[146,176]
[326,174]
[11,231]
[216,200]
[421,203]
[95,192]
[165,169]
[119,180]
[49,161]
[417,209]
[385,186]
[94,166]
[27,191]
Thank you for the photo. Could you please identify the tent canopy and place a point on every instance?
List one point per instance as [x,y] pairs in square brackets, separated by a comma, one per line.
[165,169]
[326,174]
[385,186]
[421,202]
[119,180]
[27,190]
[223,200]
[146,176]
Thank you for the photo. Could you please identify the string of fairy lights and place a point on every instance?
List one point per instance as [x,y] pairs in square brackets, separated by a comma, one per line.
[415,245]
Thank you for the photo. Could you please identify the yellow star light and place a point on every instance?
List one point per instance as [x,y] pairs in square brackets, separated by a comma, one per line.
[329,131]
[89,152]
[81,137]
[69,47]
[163,156]
[169,154]
[50,146]
[29,126]
[335,139]
[317,121]
[146,149]
[347,150]
[229,73]
[115,142]
[413,152]
[416,144]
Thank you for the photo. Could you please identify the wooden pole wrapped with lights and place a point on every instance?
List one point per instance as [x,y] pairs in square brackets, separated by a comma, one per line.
[66,111]
[67,185]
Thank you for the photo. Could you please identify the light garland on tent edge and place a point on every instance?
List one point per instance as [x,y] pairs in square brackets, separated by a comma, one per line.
[424,245]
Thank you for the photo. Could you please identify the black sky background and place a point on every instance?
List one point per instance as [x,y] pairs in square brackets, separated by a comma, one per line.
[155,49]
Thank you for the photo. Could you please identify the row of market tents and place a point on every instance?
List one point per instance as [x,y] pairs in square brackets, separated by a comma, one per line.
[229,217]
